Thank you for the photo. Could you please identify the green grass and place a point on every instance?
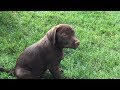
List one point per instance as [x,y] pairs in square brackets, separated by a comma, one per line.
[97,57]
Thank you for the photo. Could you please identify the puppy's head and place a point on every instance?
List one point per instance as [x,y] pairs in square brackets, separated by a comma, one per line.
[63,35]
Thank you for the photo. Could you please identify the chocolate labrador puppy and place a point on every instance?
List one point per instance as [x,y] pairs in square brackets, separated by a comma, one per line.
[46,53]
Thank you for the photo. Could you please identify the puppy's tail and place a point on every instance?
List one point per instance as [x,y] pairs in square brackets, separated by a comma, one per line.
[11,72]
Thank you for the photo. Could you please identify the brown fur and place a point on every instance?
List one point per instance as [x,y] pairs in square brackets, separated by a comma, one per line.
[46,53]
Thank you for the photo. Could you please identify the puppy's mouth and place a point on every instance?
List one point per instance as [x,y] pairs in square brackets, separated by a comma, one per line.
[73,46]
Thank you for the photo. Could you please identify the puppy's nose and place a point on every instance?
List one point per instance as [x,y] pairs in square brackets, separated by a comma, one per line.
[77,42]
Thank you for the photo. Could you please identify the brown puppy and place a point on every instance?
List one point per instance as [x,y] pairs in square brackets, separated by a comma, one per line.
[46,53]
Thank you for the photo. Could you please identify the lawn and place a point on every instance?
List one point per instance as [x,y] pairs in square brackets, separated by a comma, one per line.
[97,57]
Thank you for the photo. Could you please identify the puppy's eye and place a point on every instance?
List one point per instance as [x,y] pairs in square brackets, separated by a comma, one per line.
[64,35]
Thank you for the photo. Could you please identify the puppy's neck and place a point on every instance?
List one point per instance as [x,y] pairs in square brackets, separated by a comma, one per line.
[59,47]
[59,51]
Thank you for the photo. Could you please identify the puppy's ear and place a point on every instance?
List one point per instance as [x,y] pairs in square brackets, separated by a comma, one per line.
[51,34]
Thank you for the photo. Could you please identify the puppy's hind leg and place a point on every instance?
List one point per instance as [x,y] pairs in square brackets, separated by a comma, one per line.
[22,73]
